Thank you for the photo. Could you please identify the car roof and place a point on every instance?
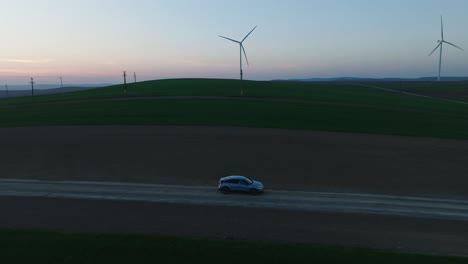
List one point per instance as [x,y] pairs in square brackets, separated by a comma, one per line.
[234,177]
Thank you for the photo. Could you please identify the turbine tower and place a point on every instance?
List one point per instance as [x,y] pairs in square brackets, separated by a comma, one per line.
[440,46]
[242,50]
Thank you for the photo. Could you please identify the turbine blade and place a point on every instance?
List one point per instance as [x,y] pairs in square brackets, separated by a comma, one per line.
[230,39]
[453,45]
[435,49]
[245,55]
[441,28]
[249,34]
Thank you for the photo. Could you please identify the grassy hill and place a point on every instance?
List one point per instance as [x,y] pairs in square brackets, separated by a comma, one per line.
[313,106]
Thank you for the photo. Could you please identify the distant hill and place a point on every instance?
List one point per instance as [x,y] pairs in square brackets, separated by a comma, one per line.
[43,89]
[351,79]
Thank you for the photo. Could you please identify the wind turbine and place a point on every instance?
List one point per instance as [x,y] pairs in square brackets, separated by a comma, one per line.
[242,50]
[441,44]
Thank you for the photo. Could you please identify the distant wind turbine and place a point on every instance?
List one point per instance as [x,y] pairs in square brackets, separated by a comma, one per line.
[440,45]
[242,50]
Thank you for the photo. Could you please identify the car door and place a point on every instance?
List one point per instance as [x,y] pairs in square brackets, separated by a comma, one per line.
[234,185]
[243,186]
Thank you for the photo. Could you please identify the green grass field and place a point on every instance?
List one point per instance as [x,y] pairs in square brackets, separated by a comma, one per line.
[325,107]
[47,248]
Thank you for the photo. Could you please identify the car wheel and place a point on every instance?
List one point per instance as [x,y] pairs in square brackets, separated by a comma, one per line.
[253,191]
[225,190]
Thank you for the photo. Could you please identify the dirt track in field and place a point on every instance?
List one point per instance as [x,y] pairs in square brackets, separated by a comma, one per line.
[283,159]
[454,96]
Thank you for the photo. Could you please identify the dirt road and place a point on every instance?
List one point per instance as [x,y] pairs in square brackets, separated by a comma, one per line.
[416,207]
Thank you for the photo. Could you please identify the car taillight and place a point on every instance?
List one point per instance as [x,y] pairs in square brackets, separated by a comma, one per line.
[220,182]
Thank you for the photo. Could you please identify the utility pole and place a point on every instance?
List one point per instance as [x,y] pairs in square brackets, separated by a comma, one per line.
[125,82]
[6,89]
[32,86]
[61,85]
[134,76]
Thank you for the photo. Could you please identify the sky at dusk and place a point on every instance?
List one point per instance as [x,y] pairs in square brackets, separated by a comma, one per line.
[93,41]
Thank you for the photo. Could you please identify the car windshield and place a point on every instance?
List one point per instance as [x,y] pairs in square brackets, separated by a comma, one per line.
[249,182]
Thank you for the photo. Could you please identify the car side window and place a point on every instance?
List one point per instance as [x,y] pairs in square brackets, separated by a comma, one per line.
[233,181]
[243,182]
